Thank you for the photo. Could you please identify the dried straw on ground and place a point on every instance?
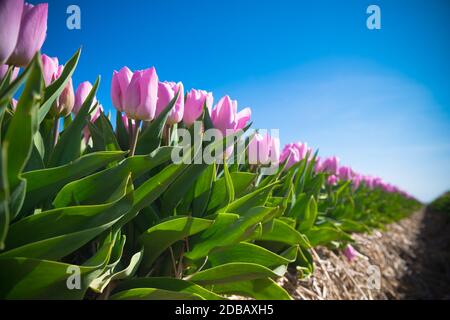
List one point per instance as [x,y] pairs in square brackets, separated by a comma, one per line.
[401,252]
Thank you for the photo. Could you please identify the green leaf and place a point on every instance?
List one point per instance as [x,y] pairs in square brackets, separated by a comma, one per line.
[228,184]
[16,149]
[284,233]
[56,233]
[53,91]
[158,238]
[324,235]
[151,190]
[241,182]
[166,283]
[203,190]
[249,201]
[44,184]
[233,233]
[248,252]
[305,211]
[102,134]
[175,193]
[153,294]
[93,189]
[113,272]
[68,147]
[259,289]
[232,272]
[7,91]
[26,278]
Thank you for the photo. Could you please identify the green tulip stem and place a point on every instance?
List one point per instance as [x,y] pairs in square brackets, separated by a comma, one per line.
[134,136]
[55,130]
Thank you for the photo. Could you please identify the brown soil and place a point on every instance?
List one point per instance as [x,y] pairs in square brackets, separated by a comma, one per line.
[412,256]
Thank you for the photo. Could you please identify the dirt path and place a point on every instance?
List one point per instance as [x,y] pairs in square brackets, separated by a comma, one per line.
[408,260]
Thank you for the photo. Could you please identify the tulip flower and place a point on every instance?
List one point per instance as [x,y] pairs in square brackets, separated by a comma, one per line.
[345,173]
[141,95]
[263,149]
[4,70]
[356,181]
[291,154]
[33,30]
[166,92]
[332,180]
[120,82]
[193,106]
[10,17]
[225,117]
[81,94]
[66,100]
[330,165]
[295,152]
[350,253]
[49,69]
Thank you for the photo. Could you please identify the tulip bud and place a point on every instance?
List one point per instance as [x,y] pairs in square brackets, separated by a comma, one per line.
[33,29]
[4,70]
[119,85]
[225,117]
[141,95]
[332,180]
[166,92]
[193,106]
[49,69]
[330,165]
[290,154]
[81,94]
[10,17]
[66,100]
[345,173]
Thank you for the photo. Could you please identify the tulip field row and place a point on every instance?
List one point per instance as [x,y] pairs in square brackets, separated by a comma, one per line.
[97,209]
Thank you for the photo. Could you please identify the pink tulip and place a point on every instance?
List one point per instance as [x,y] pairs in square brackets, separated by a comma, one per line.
[332,180]
[49,69]
[263,149]
[66,100]
[166,92]
[10,17]
[345,173]
[193,106]
[120,82]
[291,154]
[350,253]
[141,95]
[225,117]
[330,165]
[4,70]
[33,29]
[81,94]
[356,181]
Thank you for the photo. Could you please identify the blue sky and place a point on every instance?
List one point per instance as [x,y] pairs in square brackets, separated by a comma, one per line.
[379,99]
